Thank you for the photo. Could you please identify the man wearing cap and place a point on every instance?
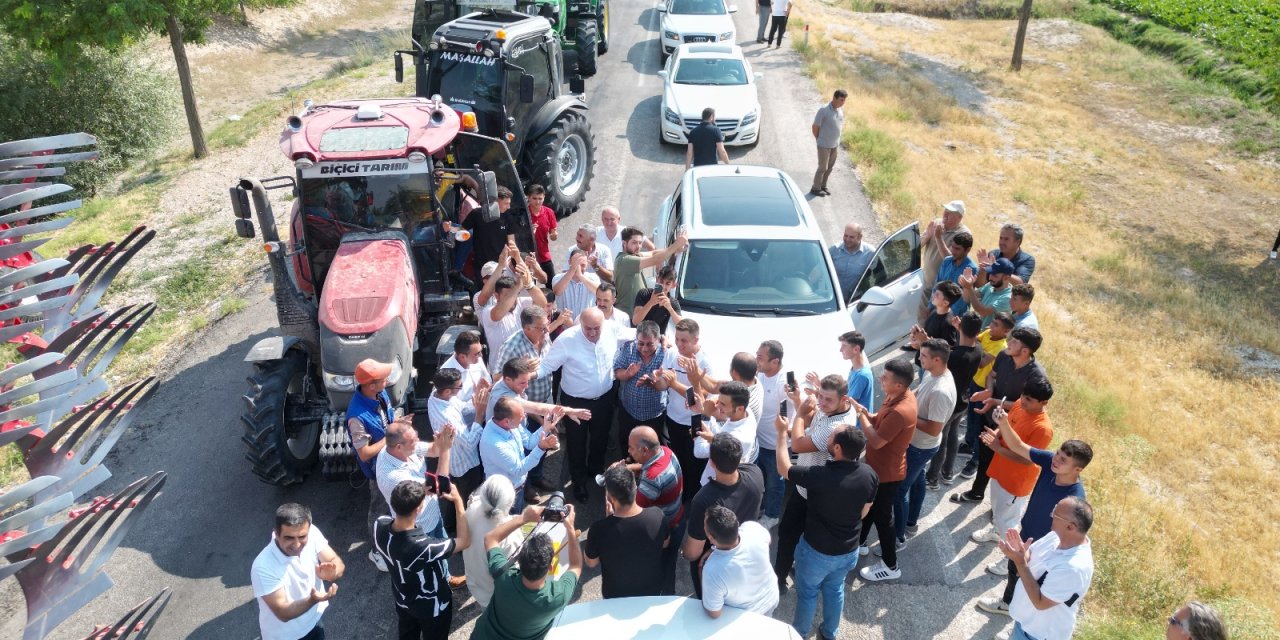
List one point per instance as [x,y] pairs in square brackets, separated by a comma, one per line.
[992,296]
[851,258]
[937,245]
[1024,264]
[368,415]
[826,128]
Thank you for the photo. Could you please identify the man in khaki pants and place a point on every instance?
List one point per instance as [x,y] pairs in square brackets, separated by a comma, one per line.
[826,130]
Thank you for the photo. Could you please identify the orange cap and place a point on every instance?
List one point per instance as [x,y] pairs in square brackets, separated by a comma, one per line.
[369,370]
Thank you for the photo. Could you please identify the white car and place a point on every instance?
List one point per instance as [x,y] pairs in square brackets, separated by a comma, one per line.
[710,75]
[695,21]
[758,268]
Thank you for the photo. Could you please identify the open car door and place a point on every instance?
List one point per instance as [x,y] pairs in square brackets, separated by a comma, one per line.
[885,302]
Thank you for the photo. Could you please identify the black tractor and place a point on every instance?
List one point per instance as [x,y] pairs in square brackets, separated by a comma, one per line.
[507,69]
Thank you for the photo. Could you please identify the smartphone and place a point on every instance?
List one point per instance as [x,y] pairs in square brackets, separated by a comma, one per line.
[696,424]
[689,397]
[436,483]
[791,379]
[657,289]
[782,408]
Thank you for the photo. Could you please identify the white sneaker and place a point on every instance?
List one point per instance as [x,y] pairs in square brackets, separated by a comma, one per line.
[998,568]
[879,572]
[862,551]
[376,559]
[985,534]
[993,604]
[767,522]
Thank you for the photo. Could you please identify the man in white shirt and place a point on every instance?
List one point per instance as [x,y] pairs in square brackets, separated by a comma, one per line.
[405,458]
[288,577]
[1054,573]
[468,360]
[771,380]
[585,359]
[742,368]
[599,256]
[731,575]
[728,415]
[683,368]
[616,322]
[575,289]
[445,409]
[609,233]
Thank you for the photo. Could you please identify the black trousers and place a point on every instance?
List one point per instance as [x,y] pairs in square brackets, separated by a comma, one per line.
[466,483]
[1011,583]
[790,527]
[779,26]
[316,632]
[979,488]
[881,516]
[414,628]
[695,571]
[944,460]
[588,440]
[627,422]
[681,439]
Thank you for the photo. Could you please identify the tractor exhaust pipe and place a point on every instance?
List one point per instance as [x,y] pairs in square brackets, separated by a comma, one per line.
[297,315]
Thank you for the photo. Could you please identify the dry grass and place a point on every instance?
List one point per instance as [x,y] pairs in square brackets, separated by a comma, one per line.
[1151,235]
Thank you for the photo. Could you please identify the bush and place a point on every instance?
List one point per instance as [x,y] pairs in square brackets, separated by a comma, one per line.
[119,98]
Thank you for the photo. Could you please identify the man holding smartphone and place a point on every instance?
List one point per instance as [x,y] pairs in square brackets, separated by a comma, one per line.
[685,373]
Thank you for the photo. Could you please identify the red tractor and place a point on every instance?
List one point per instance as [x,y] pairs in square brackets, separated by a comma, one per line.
[367,270]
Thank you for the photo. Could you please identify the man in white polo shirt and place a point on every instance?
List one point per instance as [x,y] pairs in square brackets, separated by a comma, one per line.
[288,577]
[1054,573]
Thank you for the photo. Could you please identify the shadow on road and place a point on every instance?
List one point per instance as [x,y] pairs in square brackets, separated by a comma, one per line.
[643,57]
[642,134]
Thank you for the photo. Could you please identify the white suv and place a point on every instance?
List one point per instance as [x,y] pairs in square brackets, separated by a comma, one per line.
[758,268]
[695,21]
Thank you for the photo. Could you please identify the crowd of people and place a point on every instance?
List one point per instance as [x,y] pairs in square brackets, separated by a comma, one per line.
[716,462]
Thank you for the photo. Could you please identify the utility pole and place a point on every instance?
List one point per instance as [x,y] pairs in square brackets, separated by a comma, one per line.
[1024,16]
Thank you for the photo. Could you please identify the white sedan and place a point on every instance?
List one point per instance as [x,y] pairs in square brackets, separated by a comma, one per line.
[686,21]
[710,75]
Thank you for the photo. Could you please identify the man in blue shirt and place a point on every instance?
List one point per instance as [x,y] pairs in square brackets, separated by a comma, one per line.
[862,382]
[953,266]
[368,415]
[504,444]
[1024,264]
[851,258]
[634,368]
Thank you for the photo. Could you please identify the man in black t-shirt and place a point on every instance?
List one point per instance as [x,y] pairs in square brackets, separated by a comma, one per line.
[661,307]
[737,487]
[706,142]
[628,542]
[418,562]
[963,363]
[840,495]
[512,226]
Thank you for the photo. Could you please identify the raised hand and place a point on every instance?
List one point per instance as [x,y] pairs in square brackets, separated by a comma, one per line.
[1012,546]
[813,379]
[548,441]
[632,370]
[988,437]
[327,571]
[318,596]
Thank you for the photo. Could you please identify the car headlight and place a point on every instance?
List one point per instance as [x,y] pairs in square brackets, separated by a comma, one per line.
[338,382]
[670,35]
[728,35]
[749,118]
[672,117]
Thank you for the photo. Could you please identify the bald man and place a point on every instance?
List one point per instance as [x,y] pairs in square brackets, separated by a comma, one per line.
[659,483]
[851,257]
[586,382]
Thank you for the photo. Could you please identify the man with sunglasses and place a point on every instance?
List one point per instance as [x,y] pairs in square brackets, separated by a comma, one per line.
[1054,573]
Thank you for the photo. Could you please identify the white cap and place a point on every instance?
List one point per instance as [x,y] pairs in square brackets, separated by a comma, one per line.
[955,206]
[488,269]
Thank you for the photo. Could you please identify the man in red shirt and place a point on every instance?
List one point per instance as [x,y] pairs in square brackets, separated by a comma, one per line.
[544,227]
[888,433]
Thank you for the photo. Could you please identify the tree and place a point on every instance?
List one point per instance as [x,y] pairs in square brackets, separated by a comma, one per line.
[1024,16]
[62,30]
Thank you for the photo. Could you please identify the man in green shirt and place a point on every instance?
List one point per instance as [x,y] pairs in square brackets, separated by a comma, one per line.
[628,268]
[525,601]
[993,296]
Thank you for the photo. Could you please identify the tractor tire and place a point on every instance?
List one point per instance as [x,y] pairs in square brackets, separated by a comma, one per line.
[563,161]
[277,457]
[585,42]
[602,23]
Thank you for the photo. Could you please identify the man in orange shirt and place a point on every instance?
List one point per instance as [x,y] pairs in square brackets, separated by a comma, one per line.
[1014,479]
[888,432]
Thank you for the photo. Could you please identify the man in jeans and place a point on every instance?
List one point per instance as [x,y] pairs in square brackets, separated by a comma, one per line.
[936,401]
[963,363]
[771,380]
[762,14]
[826,131]
[828,549]
[888,433]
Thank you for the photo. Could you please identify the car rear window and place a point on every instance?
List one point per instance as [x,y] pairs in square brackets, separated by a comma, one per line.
[746,200]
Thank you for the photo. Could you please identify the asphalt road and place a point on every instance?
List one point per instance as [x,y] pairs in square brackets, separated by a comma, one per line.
[201,536]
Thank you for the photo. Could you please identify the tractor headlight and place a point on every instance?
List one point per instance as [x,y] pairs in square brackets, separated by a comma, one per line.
[670,35]
[341,383]
[672,117]
[396,372]
[728,35]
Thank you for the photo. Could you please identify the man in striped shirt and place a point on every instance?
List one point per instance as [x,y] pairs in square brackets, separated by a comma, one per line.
[659,483]
[575,289]
[445,409]
[634,367]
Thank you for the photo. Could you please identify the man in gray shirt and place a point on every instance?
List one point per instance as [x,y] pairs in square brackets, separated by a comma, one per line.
[826,130]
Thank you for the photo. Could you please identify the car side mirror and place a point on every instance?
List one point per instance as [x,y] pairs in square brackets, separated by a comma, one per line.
[526,88]
[876,297]
[399,67]
[662,74]
[662,8]
[489,198]
[733,8]
[577,85]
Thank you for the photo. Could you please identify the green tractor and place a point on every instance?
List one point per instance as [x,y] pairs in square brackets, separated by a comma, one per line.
[582,26]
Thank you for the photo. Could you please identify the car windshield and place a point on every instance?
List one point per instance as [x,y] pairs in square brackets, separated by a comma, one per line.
[698,7]
[467,78]
[757,277]
[371,202]
[715,71]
